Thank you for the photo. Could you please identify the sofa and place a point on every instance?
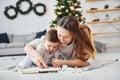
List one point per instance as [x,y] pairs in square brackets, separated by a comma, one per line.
[13,44]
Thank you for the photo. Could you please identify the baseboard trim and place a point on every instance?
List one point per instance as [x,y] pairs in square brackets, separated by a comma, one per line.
[13,55]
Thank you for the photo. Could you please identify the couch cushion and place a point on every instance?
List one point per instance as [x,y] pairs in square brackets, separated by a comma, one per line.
[10,37]
[3,45]
[41,33]
[4,38]
[30,37]
[19,38]
[15,44]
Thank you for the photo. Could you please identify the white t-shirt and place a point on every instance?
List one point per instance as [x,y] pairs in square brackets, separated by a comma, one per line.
[40,47]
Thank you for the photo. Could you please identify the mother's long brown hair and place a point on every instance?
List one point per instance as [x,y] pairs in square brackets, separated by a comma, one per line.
[84,46]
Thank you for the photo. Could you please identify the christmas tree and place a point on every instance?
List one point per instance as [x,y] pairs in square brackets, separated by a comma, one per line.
[67,7]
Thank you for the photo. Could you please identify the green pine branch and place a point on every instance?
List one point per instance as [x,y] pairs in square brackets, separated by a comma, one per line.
[65,8]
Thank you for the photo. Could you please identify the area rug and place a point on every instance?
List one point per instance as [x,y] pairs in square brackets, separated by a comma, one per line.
[96,64]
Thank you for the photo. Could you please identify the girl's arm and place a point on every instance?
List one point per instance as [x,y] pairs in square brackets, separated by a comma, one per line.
[39,61]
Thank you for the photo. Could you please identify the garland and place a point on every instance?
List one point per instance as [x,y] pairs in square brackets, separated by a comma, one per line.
[39,5]
[18,9]
[18,4]
[7,10]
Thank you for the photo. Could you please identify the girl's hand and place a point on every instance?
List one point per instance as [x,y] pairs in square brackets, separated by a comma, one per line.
[39,61]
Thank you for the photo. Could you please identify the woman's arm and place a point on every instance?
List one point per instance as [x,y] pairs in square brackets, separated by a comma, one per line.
[30,50]
[71,63]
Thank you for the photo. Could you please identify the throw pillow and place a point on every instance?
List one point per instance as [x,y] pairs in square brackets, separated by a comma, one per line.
[39,34]
[100,47]
[4,38]
[10,37]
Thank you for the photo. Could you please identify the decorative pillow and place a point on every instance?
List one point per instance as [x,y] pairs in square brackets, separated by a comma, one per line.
[4,38]
[10,37]
[100,47]
[39,34]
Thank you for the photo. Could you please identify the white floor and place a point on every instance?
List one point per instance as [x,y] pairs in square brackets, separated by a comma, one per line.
[110,72]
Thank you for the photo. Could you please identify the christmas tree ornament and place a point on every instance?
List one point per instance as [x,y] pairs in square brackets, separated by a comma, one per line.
[76,4]
[72,8]
[67,11]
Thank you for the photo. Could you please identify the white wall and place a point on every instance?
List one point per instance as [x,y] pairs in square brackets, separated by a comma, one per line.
[103,27]
[24,24]
[31,22]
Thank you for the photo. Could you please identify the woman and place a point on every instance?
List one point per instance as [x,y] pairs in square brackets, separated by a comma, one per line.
[76,44]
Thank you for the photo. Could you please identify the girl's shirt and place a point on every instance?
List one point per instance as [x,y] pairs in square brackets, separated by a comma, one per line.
[67,51]
[40,47]
[48,56]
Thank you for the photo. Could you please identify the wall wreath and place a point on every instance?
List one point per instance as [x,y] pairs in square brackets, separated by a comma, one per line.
[18,9]
[18,4]
[39,5]
[6,12]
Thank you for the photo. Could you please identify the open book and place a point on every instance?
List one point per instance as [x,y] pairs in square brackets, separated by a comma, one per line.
[35,70]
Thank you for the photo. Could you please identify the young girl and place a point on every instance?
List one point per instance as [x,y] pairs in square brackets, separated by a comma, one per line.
[47,49]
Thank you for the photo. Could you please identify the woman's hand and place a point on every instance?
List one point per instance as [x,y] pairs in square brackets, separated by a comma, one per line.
[56,62]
